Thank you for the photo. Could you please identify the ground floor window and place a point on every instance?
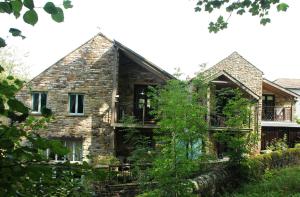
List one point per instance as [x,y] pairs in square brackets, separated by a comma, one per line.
[75,151]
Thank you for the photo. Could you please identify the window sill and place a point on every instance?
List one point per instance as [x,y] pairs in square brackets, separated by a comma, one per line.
[62,161]
[36,113]
[77,115]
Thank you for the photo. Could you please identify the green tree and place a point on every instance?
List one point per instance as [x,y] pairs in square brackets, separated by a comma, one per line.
[239,140]
[180,139]
[259,8]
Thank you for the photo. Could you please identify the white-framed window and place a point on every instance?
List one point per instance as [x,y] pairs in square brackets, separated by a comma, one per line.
[75,151]
[76,104]
[39,100]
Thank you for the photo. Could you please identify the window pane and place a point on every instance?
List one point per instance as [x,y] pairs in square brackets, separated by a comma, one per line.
[51,155]
[78,151]
[80,104]
[35,102]
[69,145]
[72,103]
[270,98]
[43,100]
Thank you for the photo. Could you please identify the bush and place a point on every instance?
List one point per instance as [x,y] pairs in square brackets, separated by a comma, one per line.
[255,168]
[278,144]
[297,145]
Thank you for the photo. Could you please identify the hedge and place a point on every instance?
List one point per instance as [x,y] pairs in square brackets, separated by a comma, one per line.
[254,168]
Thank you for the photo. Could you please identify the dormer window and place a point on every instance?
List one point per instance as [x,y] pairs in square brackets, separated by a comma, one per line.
[39,100]
[76,104]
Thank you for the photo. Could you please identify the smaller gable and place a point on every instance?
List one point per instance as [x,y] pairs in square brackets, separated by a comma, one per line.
[223,77]
[232,59]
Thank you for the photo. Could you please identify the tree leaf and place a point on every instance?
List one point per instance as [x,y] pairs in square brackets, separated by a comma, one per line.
[67,4]
[197,9]
[30,17]
[282,7]
[10,77]
[2,107]
[59,16]
[29,4]
[5,7]
[16,7]
[15,105]
[50,8]
[265,21]
[16,32]
[1,69]
[2,42]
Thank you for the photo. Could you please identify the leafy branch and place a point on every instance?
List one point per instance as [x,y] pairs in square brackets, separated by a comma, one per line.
[30,16]
[258,8]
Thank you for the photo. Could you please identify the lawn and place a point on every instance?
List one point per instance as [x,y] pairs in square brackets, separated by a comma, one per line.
[282,182]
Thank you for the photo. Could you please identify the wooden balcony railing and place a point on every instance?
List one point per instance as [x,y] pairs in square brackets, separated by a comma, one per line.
[219,120]
[127,110]
[272,113]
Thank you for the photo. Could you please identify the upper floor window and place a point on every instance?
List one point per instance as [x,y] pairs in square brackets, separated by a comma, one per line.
[76,104]
[39,100]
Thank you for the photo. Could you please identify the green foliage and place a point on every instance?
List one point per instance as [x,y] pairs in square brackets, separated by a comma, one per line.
[253,7]
[142,151]
[274,183]
[298,121]
[237,111]
[297,145]
[180,140]
[23,167]
[254,168]
[29,11]
[278,144]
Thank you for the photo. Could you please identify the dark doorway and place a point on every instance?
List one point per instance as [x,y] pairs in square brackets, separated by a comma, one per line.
[268,110]
[142,104]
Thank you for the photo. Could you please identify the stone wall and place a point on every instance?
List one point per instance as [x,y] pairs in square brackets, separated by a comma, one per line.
[87,70]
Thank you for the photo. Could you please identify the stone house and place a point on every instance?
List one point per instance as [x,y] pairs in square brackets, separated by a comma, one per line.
[92,88]
[274,111]
[89,91]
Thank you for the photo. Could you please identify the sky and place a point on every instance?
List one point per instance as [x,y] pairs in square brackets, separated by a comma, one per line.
[167,32]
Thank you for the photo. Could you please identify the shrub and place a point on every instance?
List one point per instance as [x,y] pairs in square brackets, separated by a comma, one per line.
[255,168]
[278,144]
[297,145]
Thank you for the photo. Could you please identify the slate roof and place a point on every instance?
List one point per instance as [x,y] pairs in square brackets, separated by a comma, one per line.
[288,83]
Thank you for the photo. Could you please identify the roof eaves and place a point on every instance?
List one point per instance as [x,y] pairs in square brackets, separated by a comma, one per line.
[280,88]
[143,60]
[249,91]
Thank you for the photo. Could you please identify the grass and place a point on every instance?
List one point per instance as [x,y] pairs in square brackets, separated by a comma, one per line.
[276,183]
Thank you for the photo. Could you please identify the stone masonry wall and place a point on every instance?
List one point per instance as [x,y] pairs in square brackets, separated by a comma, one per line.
[88,70]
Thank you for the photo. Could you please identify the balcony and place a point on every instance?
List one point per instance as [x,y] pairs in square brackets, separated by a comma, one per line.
[275,113]
[142,117]
[218,122]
